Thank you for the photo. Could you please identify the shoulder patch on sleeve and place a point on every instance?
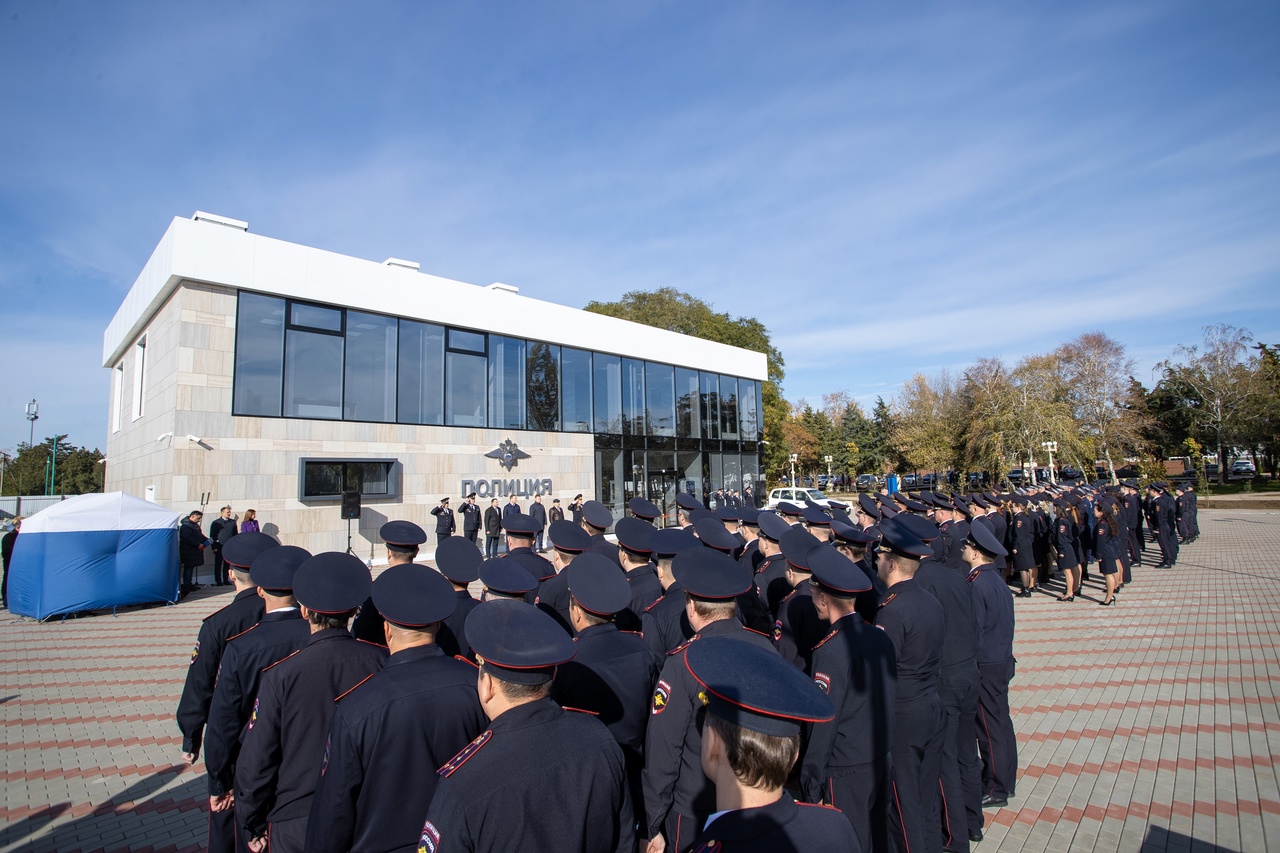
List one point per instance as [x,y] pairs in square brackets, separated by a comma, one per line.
[253,718]
[430,840]
[818,644]
[344,694]
[661,695]
[282,660]
[678,649]
[195,652]
[463,757]
[655,603]
[777,630]
[822,680]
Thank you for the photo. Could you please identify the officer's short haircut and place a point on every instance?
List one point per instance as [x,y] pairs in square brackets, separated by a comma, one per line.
[566,557]
[633,556]
[519,692]
[328,621]
[758,760]
[907,565]
[243,574]
[592,618]
[707,609]
[228,506]
[396,557]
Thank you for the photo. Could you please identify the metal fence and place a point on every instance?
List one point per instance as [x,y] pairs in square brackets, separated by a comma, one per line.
[27,506]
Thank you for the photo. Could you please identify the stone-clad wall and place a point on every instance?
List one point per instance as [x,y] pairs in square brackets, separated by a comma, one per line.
[251,462]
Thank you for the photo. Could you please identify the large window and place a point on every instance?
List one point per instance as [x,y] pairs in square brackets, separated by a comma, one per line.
[575,390]
[660,393]
[327,479]
[371,368]
[748,405]
[688,406]
[710,406]
[259,355]
[542,381]
[632,397]
[728,407]
[506,382]
[421,374]
[608,393]
[465,370]
[312,374]
[139,375]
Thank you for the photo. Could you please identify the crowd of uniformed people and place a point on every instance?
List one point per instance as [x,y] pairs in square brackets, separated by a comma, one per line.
[817,678]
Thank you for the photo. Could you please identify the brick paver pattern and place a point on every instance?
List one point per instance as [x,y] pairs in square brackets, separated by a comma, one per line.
[1148,726]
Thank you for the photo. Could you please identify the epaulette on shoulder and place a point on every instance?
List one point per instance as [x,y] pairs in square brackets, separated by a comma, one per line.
[282,660]
[347,692]
[467,660]
[678,649]
[819,806]
[372,643]
[633,633]
[580,710]
[242,633]
[463,757]
[655,603]
[761,633]
[787,596]
[818,644]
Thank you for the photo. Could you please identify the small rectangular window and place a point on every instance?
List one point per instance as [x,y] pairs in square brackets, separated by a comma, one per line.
[467,341]
[139,376]
[327,479]
[315,317]
[117,393]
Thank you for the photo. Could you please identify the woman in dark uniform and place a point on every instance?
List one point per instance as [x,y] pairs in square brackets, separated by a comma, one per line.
[1065,534]
[1107,545]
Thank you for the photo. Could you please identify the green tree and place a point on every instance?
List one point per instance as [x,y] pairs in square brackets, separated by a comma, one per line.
[675,311]
[78,469]
[928,423]
[1096,380]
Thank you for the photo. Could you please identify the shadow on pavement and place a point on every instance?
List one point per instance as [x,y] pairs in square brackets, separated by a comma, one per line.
[1161,839]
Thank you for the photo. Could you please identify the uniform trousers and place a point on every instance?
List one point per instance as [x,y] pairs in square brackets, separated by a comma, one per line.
[996,739]
[471,535]
[681,831]
[961,770]
[1131,539]
[917,754]
[1168,541]
[225,835]
[861,792]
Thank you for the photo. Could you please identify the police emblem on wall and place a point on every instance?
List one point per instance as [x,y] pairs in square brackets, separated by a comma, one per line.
[508,454]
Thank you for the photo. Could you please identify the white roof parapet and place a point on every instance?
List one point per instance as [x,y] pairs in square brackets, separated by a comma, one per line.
[190,250]
[238,224]
[397,262]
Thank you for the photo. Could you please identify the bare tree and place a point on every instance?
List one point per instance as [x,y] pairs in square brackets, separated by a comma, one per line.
[1222,374]
[987,402]
[1040,411]
[1098,372]
[928,423]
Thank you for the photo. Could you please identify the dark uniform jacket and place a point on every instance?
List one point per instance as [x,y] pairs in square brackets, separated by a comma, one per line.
[673,777]
[784,825]
[539,566]
[611,676]
[1065,534]
[751,557]
[470,516]
[1020,540]
[284,742]
[387,738]
[539,778]
[954,533]
[445,524]
[665,623]
[960,626]
[553,599]
[453,636]
[856,666]
[771,583]
[605,548]
[279,634]
[218,627]
[993,609]
[190,543]
[645,590]
[798,627]
[913,620]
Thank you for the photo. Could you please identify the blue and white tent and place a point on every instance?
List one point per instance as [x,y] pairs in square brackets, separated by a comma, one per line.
[92,552]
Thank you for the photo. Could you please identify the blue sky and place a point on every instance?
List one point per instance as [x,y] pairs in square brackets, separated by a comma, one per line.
[891,188]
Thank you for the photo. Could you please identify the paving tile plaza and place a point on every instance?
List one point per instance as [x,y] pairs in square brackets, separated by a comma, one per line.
[1148,726]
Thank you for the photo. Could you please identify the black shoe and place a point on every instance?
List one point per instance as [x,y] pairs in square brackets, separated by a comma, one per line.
[990,801]
[1161,566]
[975,835]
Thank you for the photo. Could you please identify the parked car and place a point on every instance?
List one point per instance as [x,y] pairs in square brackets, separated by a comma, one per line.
[867,482]
[928,481]
[909,481]
[1070,473]
[1243,468]
[795,496]
[1015,476]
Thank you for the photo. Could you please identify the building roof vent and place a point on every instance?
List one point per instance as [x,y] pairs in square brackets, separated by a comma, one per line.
[406,265]
[201,216]
[505,288]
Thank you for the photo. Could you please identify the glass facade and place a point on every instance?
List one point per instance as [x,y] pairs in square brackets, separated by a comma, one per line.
[659,428]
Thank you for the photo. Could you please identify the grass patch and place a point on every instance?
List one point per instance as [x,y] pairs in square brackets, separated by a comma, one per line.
[1239,488]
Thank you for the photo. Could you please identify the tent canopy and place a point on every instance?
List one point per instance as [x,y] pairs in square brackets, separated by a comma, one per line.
[92,552]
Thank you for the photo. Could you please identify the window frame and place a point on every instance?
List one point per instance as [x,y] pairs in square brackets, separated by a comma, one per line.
[393,493]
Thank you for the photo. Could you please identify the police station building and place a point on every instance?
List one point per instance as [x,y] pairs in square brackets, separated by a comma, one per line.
[263,374]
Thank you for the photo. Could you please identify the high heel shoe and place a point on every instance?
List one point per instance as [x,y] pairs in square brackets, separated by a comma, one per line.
[1066,598]
[1109,602]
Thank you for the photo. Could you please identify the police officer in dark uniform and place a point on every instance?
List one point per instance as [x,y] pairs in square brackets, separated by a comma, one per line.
[403,540]
[749,526]
[470,518]
[678,797]
[960,769]
[540,777]
[770,578]
[596,519]
[994,611]
[798,627]
[1132,518]
[240,615]
[712,533]
[664,622]
[521,530]
[613,673]
[459,561]
[445,522]
[646,511]
[914,621]
[756,700]
[847,760]
[568,542]
[636,553]
[686,504]
[280,758]
[1166,525]
[502,578]
[1020,542]
[389,734]
[280,633]
[954,525]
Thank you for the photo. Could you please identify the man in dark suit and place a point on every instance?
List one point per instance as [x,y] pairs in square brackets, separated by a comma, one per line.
[492,529]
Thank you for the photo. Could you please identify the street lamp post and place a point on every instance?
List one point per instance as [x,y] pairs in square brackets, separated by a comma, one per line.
[33,415]
[1052,447]
[795,457]
[828,460]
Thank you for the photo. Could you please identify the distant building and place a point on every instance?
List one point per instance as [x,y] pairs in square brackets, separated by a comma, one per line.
[264,374]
